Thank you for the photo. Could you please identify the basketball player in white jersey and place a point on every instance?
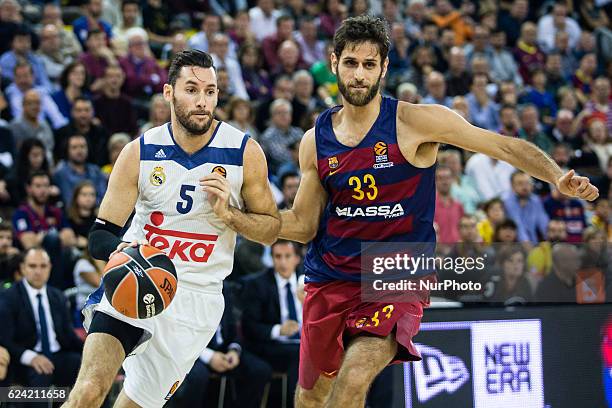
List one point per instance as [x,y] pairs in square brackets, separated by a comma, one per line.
[195,183]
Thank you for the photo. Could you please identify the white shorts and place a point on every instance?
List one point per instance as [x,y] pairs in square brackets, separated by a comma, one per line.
[172,343]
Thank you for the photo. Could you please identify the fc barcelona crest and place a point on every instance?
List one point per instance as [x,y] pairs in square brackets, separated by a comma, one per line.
[333,162]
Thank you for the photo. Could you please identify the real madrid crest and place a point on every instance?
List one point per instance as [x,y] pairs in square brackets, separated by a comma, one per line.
[157,177]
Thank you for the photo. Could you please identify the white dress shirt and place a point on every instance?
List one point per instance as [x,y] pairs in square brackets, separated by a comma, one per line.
[284,311]
[261,25]
[28,355]
[492,176]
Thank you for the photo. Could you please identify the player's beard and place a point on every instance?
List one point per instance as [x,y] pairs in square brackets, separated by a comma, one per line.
[193,127]
[357,98]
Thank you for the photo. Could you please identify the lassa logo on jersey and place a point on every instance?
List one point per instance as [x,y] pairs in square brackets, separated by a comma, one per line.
[187,246]
[386,211]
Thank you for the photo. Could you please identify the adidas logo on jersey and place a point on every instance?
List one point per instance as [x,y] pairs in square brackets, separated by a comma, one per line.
[381,210]
[160,154]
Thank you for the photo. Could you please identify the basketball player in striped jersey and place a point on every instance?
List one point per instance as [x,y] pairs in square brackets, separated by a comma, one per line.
[368,176]
[195,183]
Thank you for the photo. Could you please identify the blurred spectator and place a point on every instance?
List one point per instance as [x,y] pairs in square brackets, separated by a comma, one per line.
[256,80]
[211,25]
[37,327]
[311,48]
[568,99]
[603,182]
[29,125]
[503,65]
[463,188]
[570,210]
[539,260]
[559,286]
[422,63]
[506,232]
[495,215]
[436,90]
[82,123]
[155,19]
[272,321]
[288,60]
[561,155]
[407,92]
[144,77]
[177,43]
[304,102]
[130,11]
[116,143]
[415,17]
[20,53]
[458,79]
[31,158]
[445,15]
[430,40]
[75,169]
[461,107]
[73,84]
[9,255]
[484,112]
[10,22]
[602,217]
[569,63]
[223,93]
[241,33]
[224,355]
[511,21]
[399,54]
[525,209]
[511,286]
[37,223]
[51,55]
[69,44]
[334,11]
[448,210]
[583,77]
[508,94]
[88,274]
[563,131]
[555,77]
[289,183]
[263,19]
[277,138]
[219,47]
[527,53]
[599,104]
[538,95]
[97,58]
[531,129]
[557,20]
[159,113]
[283,89]
[84,25]
[325,79]
[492,176]
[598,140]
[271,44]
[596,253]
[82,211]
[240,115]
[23,82]
[480,44]
[112,107]
[509,121]
[592,15]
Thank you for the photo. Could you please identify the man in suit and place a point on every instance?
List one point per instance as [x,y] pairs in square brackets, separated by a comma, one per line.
[272,315]
[224,355]
[37,327]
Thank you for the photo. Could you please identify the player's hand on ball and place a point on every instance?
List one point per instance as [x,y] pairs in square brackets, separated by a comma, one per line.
[577,186]
[218,190]
[124,245]
[289,328]
[42,365]
[219,363]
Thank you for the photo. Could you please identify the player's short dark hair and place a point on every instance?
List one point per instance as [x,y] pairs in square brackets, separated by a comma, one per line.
[187,58]
[360,29]
[38,173]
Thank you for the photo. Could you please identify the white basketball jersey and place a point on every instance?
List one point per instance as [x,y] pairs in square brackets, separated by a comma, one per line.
[172,211]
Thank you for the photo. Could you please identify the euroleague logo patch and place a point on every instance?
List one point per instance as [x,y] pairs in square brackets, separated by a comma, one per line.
[380,148]
[381,159]
[172,390]
[220,170]
[157,177]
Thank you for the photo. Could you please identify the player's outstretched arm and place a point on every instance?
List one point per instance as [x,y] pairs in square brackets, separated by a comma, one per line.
[435,123]
[302,221]
[260,221]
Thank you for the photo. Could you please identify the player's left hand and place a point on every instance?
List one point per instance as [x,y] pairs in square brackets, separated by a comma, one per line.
[218,190]
[577,186]
[232,358]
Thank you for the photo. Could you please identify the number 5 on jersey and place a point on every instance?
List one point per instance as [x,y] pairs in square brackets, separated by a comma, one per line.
[184,205]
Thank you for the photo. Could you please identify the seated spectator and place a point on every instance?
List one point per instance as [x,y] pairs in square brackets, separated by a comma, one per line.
[458,79]
[527,53]
[276,140]
[509,121]
[115,144]
[436,90]
[37,223]
[484,112]
[506,232]
[495,215]
[211,24]
[21,52]
[84,25]
[598,141]
[304,102]
[492,176]
[407,92]
[532,130]
[88,273]
[69,43]
[159,113]
[325,80]
[9,255]
[241,33]
[555,77]
[540,97]
[539,261]
[143,76]
[311,47]
[570,210]
[82,211]
[600,103]
[556,21]
[155,20]
[29,125]
[463,188]
[51,55]
[97,57]
[448,210]
[176,44]
[289,183]
[73,83]
[75,169]
[240,115]
[37,327]
[511,286]
[271,44]
[510,21]
[224,355]
[82,123]
[130,13]
[256,80]
[334,11]
[284,88]
[560,285]
[271,321]
[602,216]
[526,209]
[288,60]
[219,47]
[113,108]
[503,65]
[596,251]
[582,79]
[445,15]
[563,130]
[23,82]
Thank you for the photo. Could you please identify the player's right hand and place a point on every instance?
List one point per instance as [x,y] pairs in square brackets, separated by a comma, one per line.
[42,365]
[219,363]
[289,328]
[124,245]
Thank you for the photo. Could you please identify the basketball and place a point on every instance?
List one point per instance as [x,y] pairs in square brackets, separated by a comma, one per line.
[140,282]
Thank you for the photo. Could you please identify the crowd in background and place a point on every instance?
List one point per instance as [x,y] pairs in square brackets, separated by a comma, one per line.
[81,79]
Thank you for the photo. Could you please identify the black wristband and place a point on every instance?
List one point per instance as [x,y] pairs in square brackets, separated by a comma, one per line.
[103,239]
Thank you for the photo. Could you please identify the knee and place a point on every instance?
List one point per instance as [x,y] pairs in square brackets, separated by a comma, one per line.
[88,393]
[355,377]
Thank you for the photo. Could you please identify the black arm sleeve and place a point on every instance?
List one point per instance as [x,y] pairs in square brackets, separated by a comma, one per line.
[103,239]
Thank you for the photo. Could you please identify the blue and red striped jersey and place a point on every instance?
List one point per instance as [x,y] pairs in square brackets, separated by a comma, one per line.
[375,195]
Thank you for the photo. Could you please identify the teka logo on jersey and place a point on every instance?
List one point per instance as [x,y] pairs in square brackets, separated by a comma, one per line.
[438,373]
[386,211]
[187,246]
